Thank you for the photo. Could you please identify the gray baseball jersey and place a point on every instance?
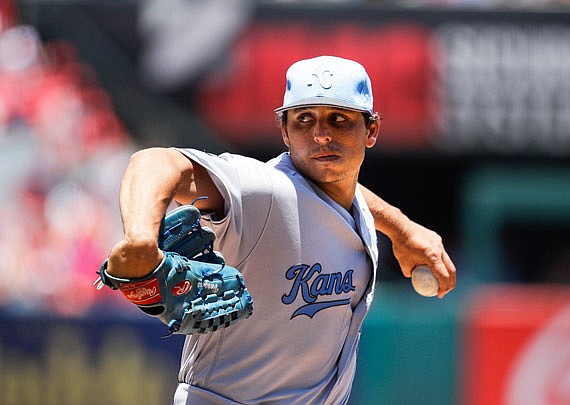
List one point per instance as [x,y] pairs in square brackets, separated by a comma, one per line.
[309,265]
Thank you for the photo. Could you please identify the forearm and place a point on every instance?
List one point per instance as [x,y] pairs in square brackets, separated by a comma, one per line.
[387,219]
[151,180]
[149,184]
[412,243]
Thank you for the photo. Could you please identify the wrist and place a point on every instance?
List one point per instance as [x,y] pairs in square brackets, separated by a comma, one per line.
[134,258]
[140,244]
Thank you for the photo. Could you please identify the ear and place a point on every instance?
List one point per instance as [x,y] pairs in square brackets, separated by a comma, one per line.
[373,133]
[285,136]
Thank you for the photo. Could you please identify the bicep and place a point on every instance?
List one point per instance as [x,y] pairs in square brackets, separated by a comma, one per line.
[195,184]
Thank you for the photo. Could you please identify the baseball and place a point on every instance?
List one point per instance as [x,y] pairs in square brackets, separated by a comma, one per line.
[424,281]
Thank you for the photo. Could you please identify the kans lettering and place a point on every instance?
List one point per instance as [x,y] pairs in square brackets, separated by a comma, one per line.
[311,283]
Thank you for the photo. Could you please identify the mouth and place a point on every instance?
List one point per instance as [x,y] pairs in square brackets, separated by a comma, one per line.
[325,157]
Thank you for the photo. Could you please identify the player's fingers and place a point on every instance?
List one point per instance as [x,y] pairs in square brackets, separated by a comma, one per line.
[450,269]
[446,269]
[439,259]
[440,272]
[407,269]
[406,264]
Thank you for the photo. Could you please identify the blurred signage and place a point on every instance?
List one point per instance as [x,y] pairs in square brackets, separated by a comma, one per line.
[505,87]
[87,361]
[517,346]
[446,85]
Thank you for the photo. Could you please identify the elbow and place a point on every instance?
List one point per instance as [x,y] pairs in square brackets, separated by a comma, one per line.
[166,160]
[164,170]
[144,157]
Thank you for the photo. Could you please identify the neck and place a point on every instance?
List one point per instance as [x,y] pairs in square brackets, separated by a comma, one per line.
[341,194]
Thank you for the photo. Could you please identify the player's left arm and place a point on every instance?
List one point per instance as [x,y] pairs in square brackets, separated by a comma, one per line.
[412,243]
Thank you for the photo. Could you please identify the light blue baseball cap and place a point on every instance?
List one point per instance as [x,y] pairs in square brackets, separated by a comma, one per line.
[328,80]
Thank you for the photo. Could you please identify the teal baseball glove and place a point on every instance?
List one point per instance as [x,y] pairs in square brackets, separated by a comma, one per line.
[192,290]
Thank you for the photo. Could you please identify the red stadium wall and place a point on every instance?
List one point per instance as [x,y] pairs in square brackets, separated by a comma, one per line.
[517,347]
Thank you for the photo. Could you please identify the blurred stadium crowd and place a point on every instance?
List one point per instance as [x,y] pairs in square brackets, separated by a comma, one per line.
[62,152]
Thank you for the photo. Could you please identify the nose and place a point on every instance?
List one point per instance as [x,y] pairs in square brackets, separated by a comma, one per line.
[322,135]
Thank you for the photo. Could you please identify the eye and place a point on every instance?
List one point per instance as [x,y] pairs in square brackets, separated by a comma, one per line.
[304,118]
[338,118]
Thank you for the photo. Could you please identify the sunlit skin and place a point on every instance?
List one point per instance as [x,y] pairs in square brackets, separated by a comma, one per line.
[327,145]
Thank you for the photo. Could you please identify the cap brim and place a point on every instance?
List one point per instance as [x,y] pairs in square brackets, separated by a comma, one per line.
[333,102]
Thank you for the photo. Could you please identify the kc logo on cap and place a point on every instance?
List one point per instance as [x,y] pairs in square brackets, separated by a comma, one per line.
[324,76]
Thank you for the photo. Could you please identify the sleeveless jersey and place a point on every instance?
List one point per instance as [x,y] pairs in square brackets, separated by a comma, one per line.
[310,267]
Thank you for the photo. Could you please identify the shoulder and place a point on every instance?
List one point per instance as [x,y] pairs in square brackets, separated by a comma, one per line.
[224,159]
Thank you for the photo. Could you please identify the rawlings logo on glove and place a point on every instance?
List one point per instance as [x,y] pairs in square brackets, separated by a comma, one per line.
[192,290]
[182,288]
[142,293]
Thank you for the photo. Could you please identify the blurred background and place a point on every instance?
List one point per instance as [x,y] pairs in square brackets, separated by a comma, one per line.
[475,145]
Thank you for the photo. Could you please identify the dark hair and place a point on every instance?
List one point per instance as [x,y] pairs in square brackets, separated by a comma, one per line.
[281,118]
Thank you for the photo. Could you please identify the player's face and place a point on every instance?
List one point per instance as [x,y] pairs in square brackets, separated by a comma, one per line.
[327,144]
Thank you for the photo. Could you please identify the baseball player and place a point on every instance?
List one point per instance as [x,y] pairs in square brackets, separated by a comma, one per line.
[300,229]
